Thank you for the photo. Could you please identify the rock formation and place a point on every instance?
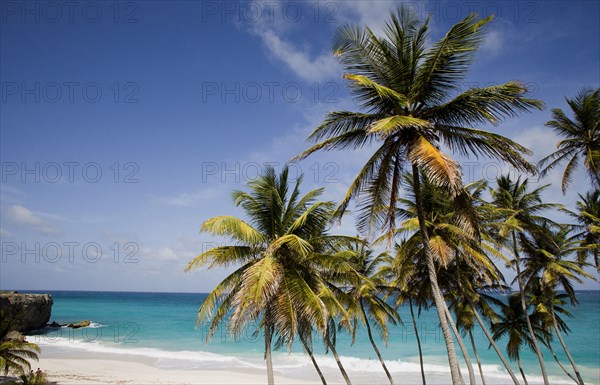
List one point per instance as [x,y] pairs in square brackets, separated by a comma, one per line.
[81,324]
[24,312]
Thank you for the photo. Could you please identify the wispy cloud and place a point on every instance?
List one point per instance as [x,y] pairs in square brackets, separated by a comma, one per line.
[21,215]
[370,13]
[309,62]
[312,69]
[187,199]
[5,234]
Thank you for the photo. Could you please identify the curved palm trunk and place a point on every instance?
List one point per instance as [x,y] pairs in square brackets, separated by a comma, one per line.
[268,358]
[564,346]
[476,356]
[337,359]
[536,346]
[412,313]
[437,294]
[312,358]
[522,372]
[561,365]
[385,369]
[462,346]
[494,344]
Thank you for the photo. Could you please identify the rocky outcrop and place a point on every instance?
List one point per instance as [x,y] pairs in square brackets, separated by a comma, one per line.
[24,312]
[81,324]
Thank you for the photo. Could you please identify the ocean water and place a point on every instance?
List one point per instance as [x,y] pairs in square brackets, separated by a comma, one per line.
[160,329]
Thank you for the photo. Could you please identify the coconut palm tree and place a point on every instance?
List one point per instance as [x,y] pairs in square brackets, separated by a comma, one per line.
[472,283]
[411,107]
[366,291]
[548,269]
[581,137]
[407,279]
[512,322]
[519,211]
[588,228]
[14,355]
[281,253]
[455,237]
[542,300]
[480,305]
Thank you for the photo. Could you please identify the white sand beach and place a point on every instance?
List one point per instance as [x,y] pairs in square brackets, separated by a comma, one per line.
[87,371]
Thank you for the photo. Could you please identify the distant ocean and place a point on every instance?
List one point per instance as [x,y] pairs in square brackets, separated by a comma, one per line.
[159,328]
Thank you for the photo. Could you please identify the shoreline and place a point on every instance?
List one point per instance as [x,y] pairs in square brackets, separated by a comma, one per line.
[87,368]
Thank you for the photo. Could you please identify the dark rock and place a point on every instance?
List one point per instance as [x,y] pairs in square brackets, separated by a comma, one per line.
[81,324]
[54,324]
[24,312]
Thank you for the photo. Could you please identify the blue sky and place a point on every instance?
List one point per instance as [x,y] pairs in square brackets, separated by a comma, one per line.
[124,125]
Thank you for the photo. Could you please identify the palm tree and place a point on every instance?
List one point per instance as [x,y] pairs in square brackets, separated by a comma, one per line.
[472,282]
[548,269]
[408,282]
[512,322]
[519,211]
[14,355]
[588,228]
[581,137]
[454,227]
[365,291]
[542,300]
[283,250]
[409,94]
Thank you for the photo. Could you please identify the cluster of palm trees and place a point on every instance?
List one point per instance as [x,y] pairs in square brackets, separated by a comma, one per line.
[442,239]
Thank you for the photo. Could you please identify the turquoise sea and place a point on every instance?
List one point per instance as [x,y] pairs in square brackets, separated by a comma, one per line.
[159,328]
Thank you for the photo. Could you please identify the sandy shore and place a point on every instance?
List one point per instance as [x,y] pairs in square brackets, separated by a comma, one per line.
[107,371]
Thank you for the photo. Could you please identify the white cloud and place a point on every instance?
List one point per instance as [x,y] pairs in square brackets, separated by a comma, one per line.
[5,234]
[25,217]
[11,194]
[318,68]
[272,30]
[541,140]
[370,13]
[493,42]
[162,254]
[188,199]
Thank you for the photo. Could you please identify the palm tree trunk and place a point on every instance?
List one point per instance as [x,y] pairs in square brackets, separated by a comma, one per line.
[412,313]
[435,289]
[268,358]
[536,346]
[385,369]
[564,346]
[560,364]
[462,346]
[522,372]
[337,358]
[476,356]
[494,344]
[312,358]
